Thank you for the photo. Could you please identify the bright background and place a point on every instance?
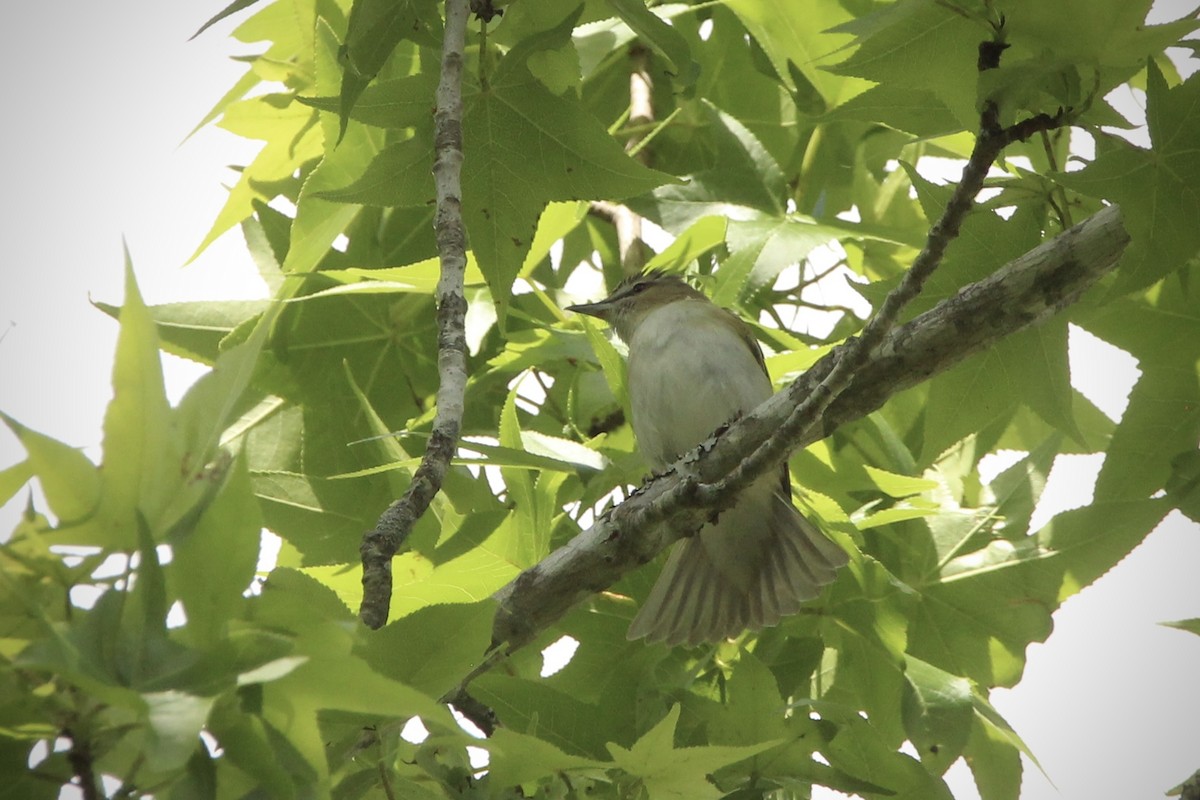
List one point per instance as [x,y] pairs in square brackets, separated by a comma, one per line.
[100,99]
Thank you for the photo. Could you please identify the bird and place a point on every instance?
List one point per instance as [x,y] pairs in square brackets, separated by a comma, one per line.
[694,367]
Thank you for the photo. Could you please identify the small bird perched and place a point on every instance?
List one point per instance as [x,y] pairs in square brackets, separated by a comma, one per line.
[693,367]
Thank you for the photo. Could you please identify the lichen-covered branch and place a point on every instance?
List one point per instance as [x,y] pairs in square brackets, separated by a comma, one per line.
[1021,294]
[382,543]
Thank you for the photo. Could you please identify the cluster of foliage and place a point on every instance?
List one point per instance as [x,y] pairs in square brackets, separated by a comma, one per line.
[776,118]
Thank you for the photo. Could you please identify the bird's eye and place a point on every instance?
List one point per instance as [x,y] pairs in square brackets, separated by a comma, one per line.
[640,287]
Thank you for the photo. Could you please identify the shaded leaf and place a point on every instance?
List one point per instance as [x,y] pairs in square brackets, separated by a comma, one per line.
[1156,188]
[743,182]
[938,710]
[528,148]
[416,651]
[665,40]
[670,772]
[374,30]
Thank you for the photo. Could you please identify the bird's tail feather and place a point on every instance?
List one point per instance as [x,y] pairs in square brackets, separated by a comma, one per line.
[726,580]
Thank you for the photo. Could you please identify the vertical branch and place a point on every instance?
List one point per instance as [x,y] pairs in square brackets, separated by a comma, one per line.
[396,523]
[641,114]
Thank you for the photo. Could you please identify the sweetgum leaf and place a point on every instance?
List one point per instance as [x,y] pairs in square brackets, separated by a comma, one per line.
[1156,188]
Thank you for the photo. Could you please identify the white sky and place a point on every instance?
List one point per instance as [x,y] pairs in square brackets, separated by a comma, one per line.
[99,98]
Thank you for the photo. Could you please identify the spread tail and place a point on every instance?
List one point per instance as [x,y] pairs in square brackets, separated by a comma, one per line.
[738,574]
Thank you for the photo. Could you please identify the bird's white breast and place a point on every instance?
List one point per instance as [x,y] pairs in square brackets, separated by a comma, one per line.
[690,372]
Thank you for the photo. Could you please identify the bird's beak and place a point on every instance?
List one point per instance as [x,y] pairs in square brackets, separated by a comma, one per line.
[599,310]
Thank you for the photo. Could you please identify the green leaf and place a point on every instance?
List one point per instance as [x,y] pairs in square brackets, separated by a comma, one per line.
[917,45]
[1160,423]
[259,751]
[1184,484]
[1156,188]
[1029,367]
[542,453]
[416,651]
[318,221]
[986,607]
[916,111]
[374,30]
[898,485]
[214,561]
[23,783]
[1019,488]
[14,477]
[561,451]
[209,406]
[743,183]
[289,500]
[143,456]
[753,713]
[613,366]
[1162,420]
[665,39]
[994,760]
[395,103]
[195,330]
[1109,33]
[529,147]
[229,10]
[1190,625]
[517,758]
[293,139]
[175,720]
[401,175]
[760,249]
[797,37]
[938,709]
[326,634]
[870,642]
[70,481]
[669,772]
[702,236]
[556,68]
[520,487]
[859,751]
[467,577]
[535,709]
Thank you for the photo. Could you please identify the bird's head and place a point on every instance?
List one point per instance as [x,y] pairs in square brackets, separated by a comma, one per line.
[635,297]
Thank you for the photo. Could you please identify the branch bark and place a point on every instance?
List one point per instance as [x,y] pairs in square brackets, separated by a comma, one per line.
[396,523]
[1021,294]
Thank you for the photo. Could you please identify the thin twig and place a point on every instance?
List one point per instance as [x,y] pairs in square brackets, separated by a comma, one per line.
[392,529]
[479,714]
[1060,204]
[81,760]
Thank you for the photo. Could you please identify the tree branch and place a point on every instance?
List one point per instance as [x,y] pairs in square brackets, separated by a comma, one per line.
[82,763]
[1023,293]
[396,523]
